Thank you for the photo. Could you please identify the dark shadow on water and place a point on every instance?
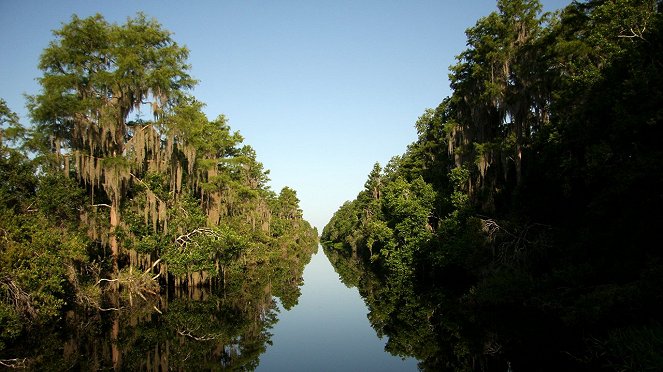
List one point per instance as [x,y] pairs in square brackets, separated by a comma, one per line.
[183,329]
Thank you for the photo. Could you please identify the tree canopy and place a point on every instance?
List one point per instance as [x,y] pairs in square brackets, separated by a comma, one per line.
[532,189]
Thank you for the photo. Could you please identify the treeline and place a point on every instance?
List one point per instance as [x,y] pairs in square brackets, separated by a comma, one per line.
[121,183]
[532,195]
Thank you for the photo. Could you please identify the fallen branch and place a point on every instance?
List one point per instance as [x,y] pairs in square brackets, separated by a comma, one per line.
[85,299]
[514,245]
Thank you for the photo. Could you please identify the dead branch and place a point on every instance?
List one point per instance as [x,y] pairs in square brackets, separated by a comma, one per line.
[30,209]
[14,363]
[514,245]
[89,301]
[634,34]
[19,298]
[185,239]
[106,280]
[152,267]
[187,333]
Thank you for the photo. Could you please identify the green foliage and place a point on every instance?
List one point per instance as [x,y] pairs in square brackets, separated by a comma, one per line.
[60,198]
[226,326]
[19,180]
[11,130]
[113,201]
[201,249]
[527,204]
[38,249]
[389,221]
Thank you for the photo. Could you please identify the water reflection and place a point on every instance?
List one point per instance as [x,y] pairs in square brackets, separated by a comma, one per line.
[415,323]
[226,327]
[447,333]
[328,330]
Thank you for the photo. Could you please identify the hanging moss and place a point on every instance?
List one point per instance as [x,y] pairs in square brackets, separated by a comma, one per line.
[162,217]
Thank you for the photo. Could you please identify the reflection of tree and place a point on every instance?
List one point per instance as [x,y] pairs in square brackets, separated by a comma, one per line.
[409,317]
[200,329]
[446,331]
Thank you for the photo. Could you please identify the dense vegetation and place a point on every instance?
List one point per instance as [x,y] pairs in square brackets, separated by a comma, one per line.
[521,226]
[101,206]
[196,328]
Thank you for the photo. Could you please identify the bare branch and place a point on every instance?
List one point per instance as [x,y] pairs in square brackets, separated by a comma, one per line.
[184,239]
[14,363]
[152,267]
[187,333]
[20,299]
[146,186]
[92,302]
[634,34]
[106,280]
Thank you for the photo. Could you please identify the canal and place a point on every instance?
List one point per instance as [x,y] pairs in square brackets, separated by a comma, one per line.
[328,330]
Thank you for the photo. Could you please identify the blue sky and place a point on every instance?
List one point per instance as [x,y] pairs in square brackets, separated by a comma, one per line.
[321,89]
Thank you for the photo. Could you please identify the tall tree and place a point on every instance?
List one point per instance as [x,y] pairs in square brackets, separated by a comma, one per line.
[96,75]
[494,87]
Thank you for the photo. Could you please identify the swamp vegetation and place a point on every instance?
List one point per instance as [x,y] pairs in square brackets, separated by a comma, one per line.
[103,210]
[520,230]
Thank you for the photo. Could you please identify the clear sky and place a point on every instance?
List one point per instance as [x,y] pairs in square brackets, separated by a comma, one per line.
[321,89]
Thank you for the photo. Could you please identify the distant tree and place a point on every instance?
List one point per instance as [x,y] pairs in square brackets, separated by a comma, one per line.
[289,204]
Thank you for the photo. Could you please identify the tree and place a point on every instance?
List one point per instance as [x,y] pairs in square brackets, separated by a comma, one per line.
[497,97]
[373,184]
[11,129]
[289,204]
[96,75]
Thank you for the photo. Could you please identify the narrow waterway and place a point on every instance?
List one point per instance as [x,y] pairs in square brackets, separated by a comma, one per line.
[242,326]
[328,329]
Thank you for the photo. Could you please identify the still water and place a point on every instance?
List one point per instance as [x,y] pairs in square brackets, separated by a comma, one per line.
[286,311]
[328,330]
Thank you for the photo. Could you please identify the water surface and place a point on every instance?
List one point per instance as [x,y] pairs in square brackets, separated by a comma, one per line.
[328,330]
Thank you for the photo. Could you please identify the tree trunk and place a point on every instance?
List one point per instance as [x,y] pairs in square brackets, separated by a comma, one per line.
[114,223]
